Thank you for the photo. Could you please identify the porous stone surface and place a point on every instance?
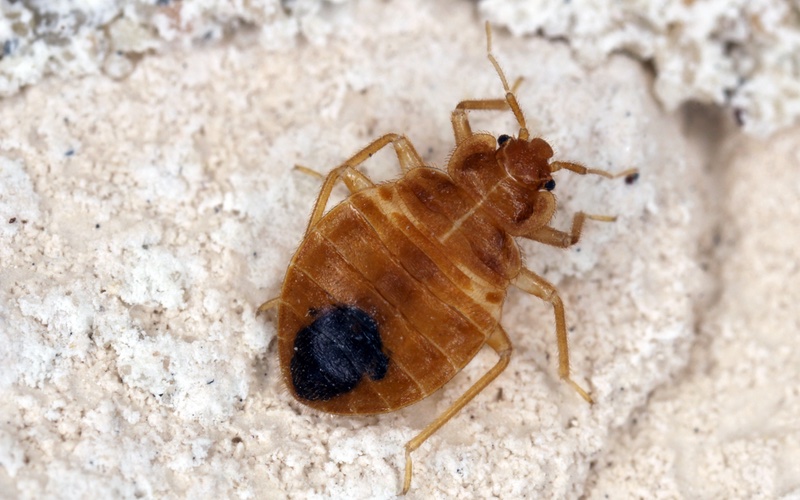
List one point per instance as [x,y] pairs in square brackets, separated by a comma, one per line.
[145,214]
[740,54]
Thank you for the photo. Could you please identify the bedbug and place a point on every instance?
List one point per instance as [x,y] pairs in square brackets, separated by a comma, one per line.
[394,290]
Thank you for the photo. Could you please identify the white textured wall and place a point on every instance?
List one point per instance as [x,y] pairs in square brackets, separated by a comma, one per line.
[148,206]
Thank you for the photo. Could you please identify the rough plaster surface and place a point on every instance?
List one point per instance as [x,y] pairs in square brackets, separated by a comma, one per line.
[743,54]
[144,219]
[729,428]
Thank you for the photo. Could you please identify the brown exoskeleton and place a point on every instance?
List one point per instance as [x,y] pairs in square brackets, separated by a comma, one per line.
[393,291]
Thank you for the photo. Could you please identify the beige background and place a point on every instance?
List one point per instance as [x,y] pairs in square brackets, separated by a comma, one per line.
[144,218]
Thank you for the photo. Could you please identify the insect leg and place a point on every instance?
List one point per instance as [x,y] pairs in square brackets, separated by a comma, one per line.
[406,154]
[266,306]
[355,180]
[459,118]
[461,126]
[498,341]
[562,239]
[534,284]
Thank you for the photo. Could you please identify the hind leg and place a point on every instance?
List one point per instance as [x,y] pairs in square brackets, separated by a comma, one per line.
[498,341]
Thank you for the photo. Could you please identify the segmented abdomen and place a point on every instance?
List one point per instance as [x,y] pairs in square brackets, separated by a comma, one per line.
[419,259]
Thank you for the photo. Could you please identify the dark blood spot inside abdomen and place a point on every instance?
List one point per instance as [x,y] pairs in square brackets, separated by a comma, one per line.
[333,353]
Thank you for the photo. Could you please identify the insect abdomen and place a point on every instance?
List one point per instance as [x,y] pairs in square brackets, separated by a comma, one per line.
[333,353]
[431,317]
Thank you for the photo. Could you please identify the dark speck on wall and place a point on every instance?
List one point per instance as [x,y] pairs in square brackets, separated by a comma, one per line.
[10,46]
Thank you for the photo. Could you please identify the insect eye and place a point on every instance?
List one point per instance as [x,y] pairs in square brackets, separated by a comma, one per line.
[550,185]
[503,139]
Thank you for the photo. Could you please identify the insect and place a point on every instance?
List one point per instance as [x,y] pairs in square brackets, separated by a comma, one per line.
[394,290]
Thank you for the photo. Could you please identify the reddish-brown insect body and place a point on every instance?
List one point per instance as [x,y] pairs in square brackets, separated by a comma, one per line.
[393,291]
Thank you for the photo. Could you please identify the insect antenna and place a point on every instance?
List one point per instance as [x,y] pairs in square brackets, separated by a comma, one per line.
[510,97]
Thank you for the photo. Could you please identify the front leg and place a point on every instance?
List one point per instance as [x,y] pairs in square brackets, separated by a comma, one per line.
[460,120]
[562,239]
